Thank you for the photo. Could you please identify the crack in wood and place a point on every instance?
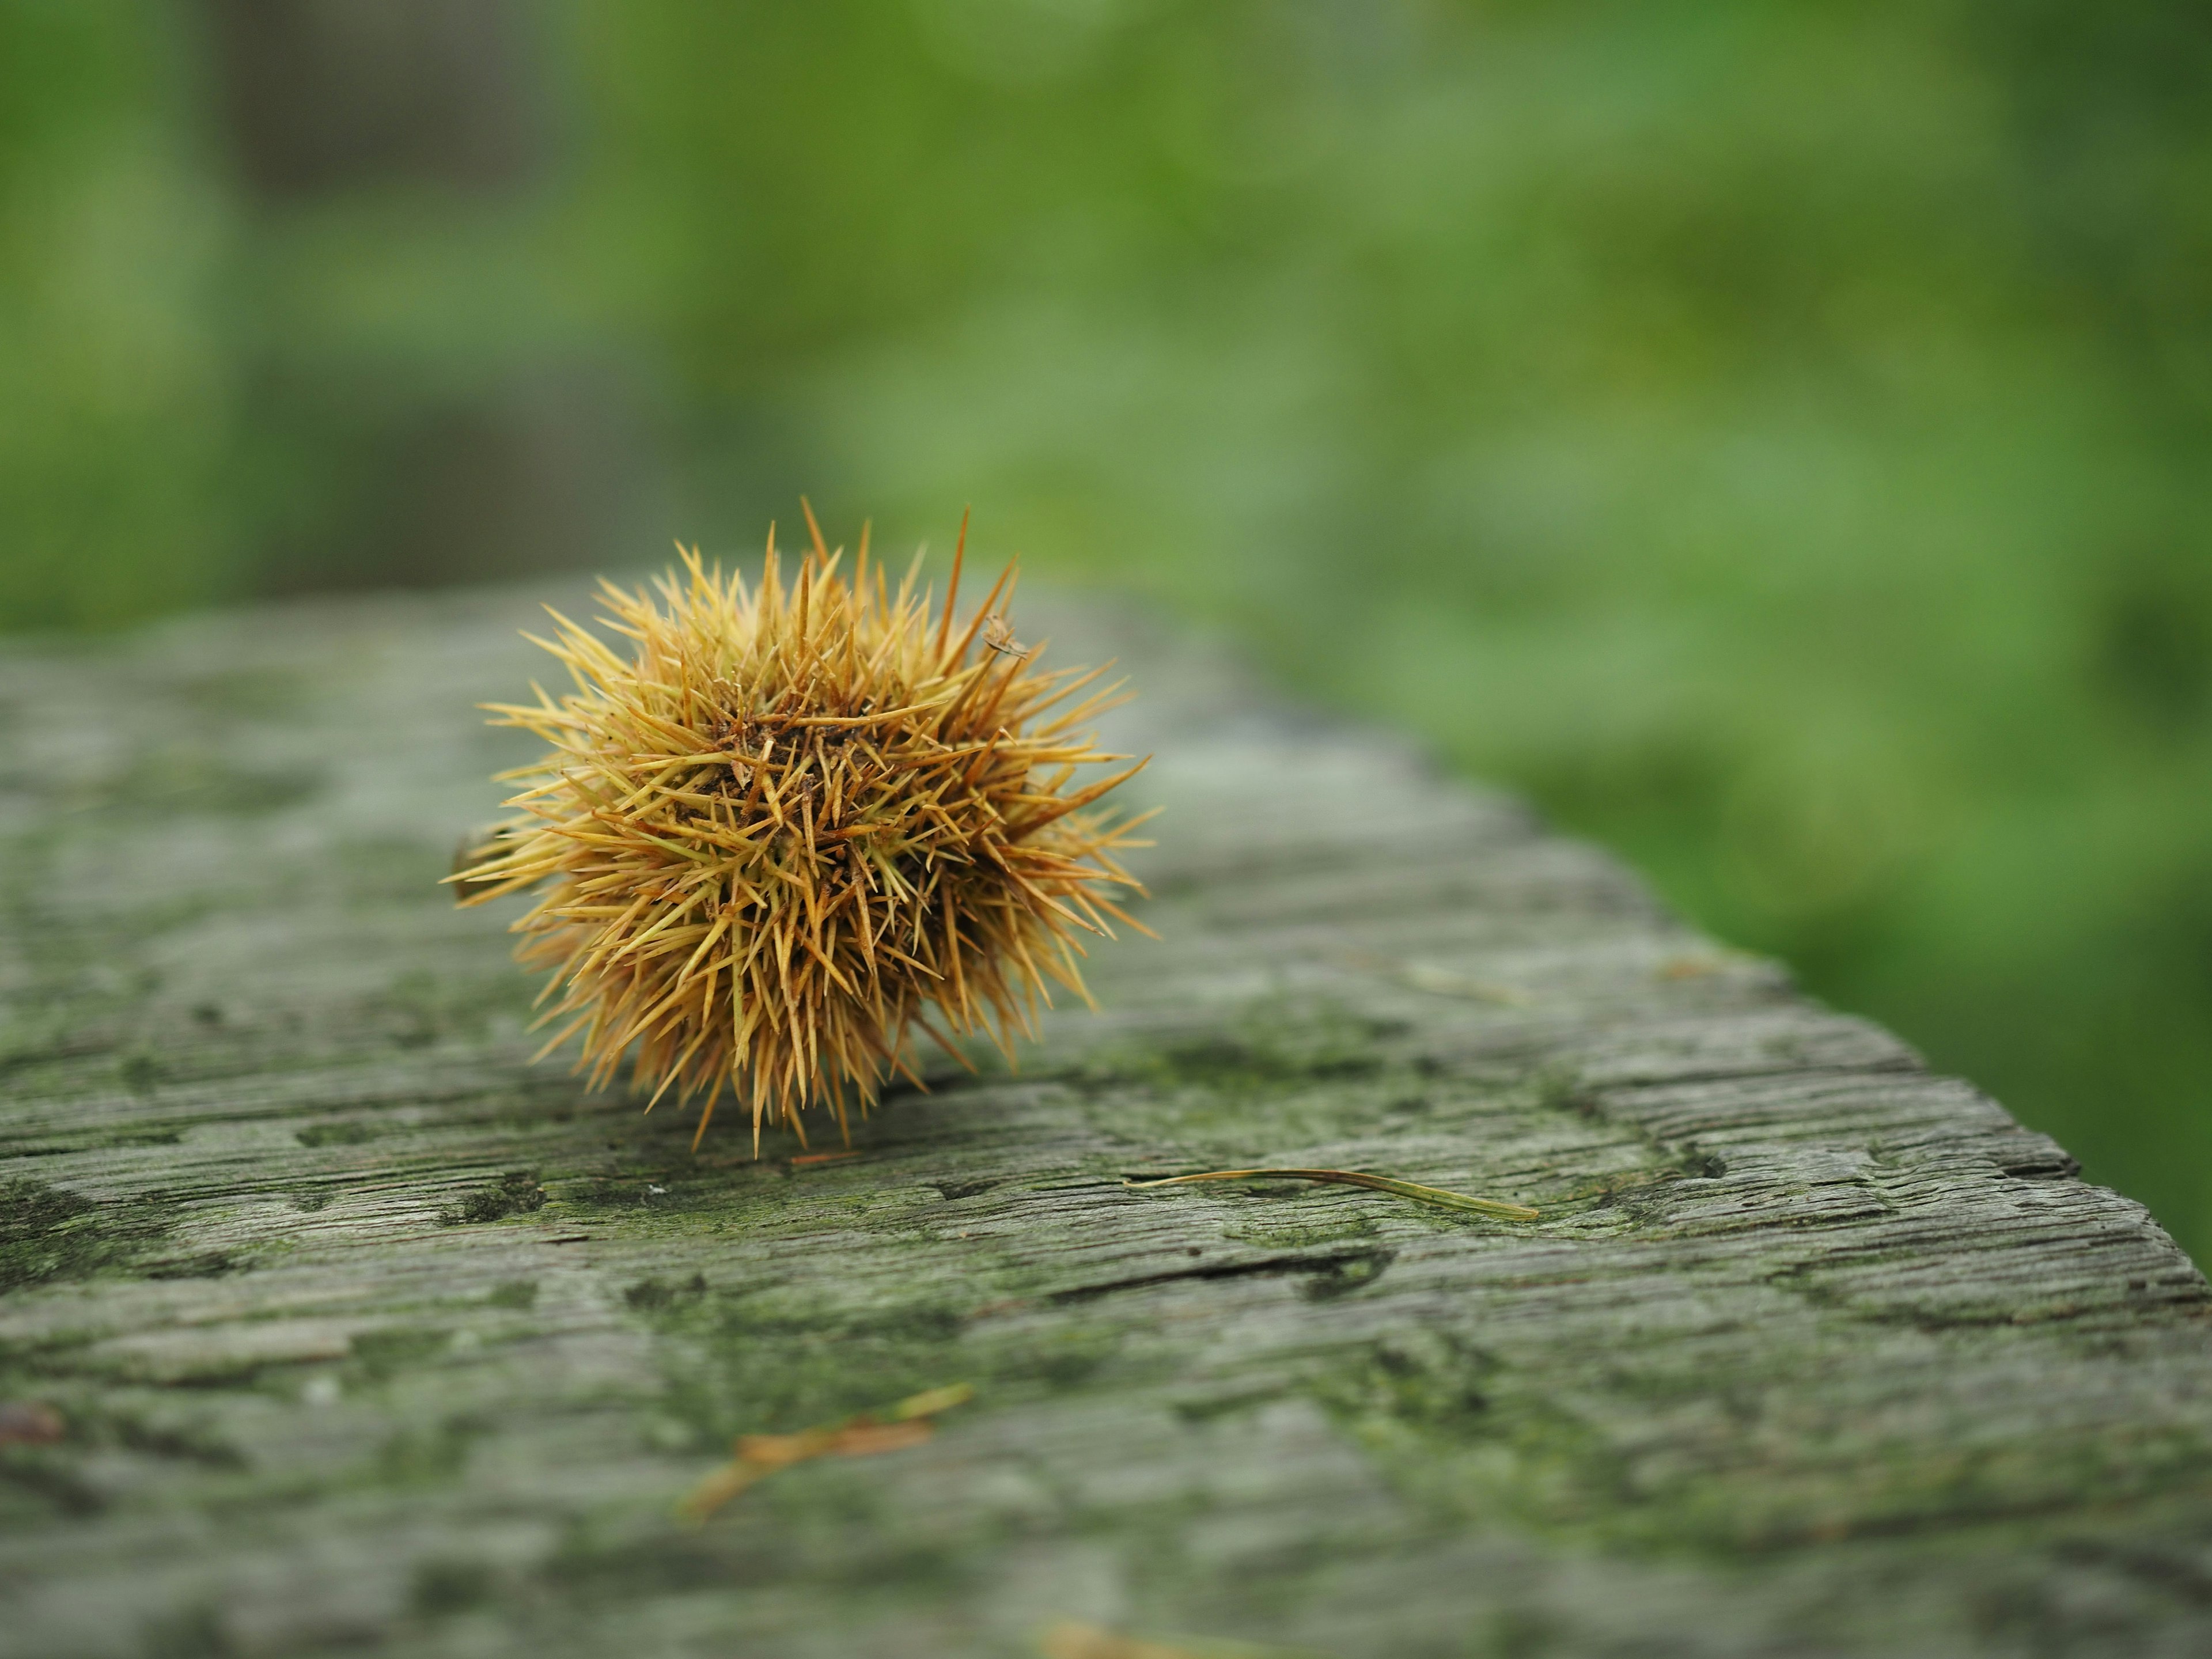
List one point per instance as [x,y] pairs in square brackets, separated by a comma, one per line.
[1341,1270]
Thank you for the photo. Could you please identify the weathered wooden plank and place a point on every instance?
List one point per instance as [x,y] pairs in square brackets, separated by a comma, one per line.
[369,1336]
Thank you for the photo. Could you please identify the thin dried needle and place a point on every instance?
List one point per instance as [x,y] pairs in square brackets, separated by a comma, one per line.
[1490,1206]
[1071,1638]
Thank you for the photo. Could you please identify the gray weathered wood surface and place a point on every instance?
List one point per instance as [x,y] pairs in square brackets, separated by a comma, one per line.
[371,1338]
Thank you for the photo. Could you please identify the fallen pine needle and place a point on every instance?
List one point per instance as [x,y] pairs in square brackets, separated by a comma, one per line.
[1069,1638]
[1439,981]
[1418,1193]
[821,1157]
[1442,982]
[906,1424]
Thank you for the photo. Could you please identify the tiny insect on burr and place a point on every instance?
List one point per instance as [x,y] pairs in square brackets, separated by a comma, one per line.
[999,636]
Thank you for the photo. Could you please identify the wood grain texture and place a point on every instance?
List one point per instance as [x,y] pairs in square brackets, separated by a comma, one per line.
[369,1337]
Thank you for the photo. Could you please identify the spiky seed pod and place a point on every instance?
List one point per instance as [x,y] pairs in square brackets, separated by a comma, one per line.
[803,815]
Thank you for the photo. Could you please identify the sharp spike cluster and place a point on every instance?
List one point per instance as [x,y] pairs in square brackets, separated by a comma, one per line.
[802,818]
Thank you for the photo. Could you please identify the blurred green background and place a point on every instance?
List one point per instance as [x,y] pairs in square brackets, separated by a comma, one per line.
[1775,437]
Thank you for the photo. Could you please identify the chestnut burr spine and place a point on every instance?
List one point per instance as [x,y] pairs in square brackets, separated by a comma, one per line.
[803,818]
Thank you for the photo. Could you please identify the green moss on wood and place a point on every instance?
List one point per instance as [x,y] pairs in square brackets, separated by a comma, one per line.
[518,1192]
[47,1233]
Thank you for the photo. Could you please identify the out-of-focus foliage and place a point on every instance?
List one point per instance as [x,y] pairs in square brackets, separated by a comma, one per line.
[1775,437]
[116,384]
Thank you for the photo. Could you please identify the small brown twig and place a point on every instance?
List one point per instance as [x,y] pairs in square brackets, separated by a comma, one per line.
[906,1424]
[29,1423]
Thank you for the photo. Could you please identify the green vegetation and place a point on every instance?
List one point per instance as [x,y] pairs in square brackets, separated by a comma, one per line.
[1773,437]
